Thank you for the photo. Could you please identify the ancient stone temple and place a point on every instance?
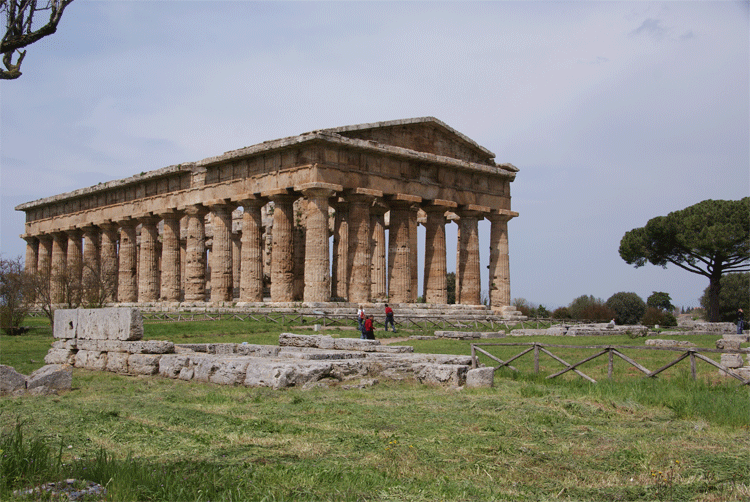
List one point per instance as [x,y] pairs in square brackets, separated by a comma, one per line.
[258,221]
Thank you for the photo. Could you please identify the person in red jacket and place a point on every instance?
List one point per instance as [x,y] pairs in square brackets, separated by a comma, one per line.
[369,329]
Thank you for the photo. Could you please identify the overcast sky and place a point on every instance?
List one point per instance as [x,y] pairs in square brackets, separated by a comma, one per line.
[614,112]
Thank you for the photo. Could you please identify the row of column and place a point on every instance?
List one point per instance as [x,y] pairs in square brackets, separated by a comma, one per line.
[362,267]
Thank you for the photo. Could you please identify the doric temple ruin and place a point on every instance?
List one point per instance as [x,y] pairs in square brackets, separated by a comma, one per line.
[257,221]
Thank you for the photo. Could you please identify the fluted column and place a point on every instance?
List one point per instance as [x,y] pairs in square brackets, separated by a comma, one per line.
[195,254]
[170,257]
[74,255]
[127,279]
[282,257]
[90,275]
[378,269]
[399,253]
[317,261]
[221,252]
[57,267]
[108,260]
[251,269]
[339,269]
[470,284]
[435,269]
[148,271]
[32,254]
[298,249]
[499,260]
[44,258]
[359,248]
[236,262]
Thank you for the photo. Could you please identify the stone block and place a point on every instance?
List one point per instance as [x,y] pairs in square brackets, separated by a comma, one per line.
[727,344]
[656,342]
[54,377]
[143,364]
[735,338]
[353,344]
[258,350]
[11,381]
[66,344]
[110,324]
[230,372]
[170,365]
[91,360]
[60,356]
[204,367]
[732,360]
[280,375]
[448,375]
[66,323]
[292,340]
[480,377]
[117,362]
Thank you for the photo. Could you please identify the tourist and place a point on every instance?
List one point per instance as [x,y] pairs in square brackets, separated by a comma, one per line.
[389,318]
[361,320]
[369,328]
[740,321]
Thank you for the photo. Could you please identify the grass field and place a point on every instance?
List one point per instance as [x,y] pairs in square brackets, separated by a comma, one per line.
[527,438]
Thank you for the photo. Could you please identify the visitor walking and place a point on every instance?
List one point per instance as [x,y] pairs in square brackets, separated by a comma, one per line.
[740,321]
[369,329]
[389,318]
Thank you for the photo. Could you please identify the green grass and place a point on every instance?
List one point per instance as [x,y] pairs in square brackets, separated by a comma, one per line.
[527,438]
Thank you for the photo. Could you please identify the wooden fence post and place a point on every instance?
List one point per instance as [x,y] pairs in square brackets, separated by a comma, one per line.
[611,363]
[536,358]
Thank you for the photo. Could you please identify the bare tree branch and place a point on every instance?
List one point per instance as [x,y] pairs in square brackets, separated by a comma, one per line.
[20,30]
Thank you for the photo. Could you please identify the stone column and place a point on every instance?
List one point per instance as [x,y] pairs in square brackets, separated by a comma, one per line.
[399,253]
[359,248]
[499,260]
[57,267]
[90,275]
[170,257]
[127,279]
[435,269]
[378,270]
[108,260]
[251,269]
[45,255]
[74,255]
[32,254]
[236,262]
[282,257]
[298,249]
[470,284]
[340,278]
[414,255]
[148,271]
[317,264]
[221,252]
[195,254]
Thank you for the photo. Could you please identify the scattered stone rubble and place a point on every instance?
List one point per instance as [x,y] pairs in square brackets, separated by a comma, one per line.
[110,340]
[47,380]
[736,362]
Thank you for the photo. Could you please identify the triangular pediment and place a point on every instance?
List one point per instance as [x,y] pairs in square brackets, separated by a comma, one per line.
[424,134]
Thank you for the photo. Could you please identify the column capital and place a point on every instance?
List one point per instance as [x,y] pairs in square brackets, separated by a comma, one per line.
[169,213]
[194,210]
[438,205]
[502,215]
[217,204]
[330,187]
[250,200]
[31,239]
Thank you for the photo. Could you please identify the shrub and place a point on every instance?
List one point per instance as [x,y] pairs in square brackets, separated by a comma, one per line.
[660,300]
[654,316]
[589,308]
[15,296]
[628,308]
[561,313]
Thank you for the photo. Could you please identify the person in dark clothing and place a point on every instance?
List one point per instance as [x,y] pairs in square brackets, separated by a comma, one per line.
[389,318]
[369,328]
[740,321]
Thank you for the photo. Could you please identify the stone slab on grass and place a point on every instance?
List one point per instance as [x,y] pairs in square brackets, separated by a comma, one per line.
[116,323]
[480,377]
[51,378]
[11,381]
